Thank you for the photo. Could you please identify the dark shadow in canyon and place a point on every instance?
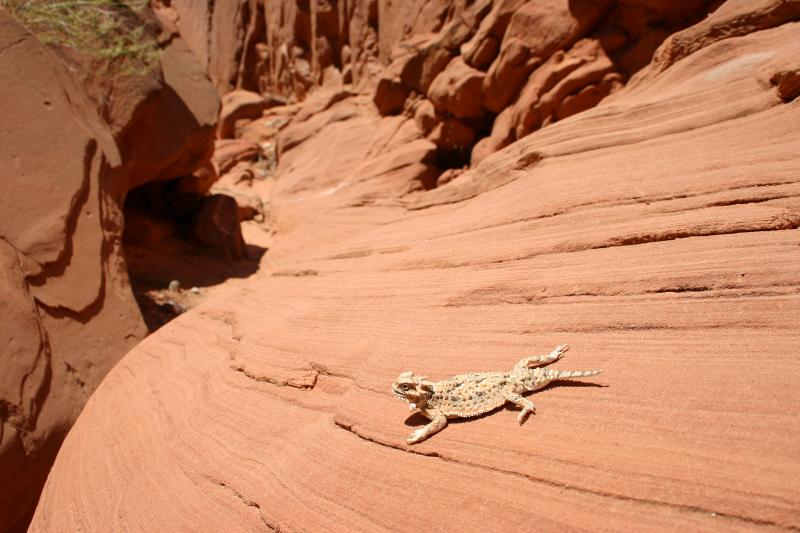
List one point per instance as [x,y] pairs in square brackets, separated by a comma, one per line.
[169,266]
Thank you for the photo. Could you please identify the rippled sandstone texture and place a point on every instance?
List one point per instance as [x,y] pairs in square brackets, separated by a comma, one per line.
[657,234]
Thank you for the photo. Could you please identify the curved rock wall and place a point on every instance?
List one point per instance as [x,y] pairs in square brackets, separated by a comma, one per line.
[68,161]
[68,314]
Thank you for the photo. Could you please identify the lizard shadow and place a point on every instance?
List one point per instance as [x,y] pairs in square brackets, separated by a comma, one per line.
[565,383]
[417,419]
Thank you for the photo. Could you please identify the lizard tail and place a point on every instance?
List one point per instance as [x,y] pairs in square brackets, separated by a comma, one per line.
[572,374]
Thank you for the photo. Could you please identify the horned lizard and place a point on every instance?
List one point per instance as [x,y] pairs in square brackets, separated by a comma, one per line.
[476,393]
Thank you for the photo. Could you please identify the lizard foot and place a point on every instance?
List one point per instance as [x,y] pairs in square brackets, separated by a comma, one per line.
[560,350]
[523,415]
[417,436]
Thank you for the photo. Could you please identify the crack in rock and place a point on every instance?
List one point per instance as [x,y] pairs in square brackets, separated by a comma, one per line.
[245,500]
[304,381]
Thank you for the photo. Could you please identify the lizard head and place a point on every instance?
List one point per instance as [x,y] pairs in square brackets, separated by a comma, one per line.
[413,389]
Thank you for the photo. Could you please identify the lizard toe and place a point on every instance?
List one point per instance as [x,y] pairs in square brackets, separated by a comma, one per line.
[415,437]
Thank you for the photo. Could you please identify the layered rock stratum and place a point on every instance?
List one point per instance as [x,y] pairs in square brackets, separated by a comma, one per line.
[652,224]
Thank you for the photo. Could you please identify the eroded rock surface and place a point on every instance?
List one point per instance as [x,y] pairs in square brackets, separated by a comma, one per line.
[503,68]
[174,134]
[79,132]
[656,233]
[67,311]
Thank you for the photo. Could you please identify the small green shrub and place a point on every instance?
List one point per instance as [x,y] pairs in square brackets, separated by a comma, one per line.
[104,29]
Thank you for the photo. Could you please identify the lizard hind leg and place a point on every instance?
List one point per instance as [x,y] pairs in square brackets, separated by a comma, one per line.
[541,360]
[528,406]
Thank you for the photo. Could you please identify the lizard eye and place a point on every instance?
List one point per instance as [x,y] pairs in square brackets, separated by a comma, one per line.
[403,387]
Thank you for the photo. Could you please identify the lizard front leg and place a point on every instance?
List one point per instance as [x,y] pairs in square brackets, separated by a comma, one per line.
[438,423]
[527,405]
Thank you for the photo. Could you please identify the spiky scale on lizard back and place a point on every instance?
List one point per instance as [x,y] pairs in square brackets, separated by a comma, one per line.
[476,393]
[470,394]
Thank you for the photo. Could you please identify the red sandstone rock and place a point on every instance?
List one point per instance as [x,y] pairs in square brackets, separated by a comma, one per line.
[229,152]
[217,225]
[226,37]
[788,83]
[449,175]
[535,31]
[667,6]
[174,135]
[396,21]
[249,204]
[387,154]
[568,83]
[485,52]
[404,168]
[390,94]
[452,134]
[731,19]
[314,44]
[425,117]
[463,22]
[458,89]
[297,133]
[640,54]
[124,100]
[589,96]
[502,135]
[237,105]
[199,182]
[320,100]
[565,73]
[507,73]
[482,48]
[416,61]
[192,19]
[422,59]
[67,310]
